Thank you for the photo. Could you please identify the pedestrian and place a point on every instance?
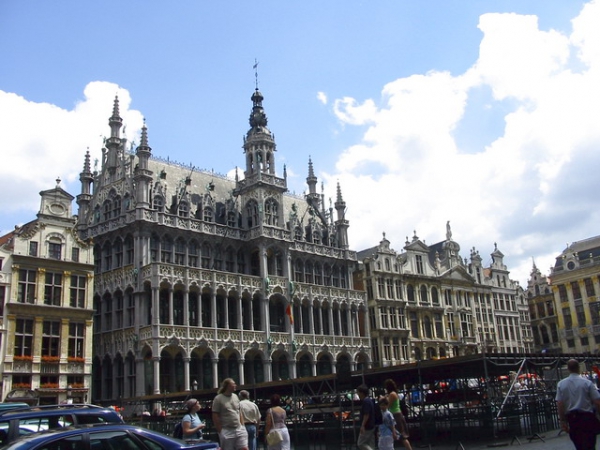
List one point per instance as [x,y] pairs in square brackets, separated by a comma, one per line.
[387,430]
[191,424]
[394,407]
[576,398]
[366,436]
[226,418]
[250,415]
[275,420]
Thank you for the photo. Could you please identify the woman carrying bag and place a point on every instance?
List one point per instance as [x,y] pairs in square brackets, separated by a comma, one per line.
[277,435]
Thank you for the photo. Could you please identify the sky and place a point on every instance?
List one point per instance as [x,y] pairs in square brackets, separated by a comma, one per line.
[483,113]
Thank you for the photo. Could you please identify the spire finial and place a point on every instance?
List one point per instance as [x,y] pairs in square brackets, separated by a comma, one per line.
[144,136]
[255,67]
[86,162]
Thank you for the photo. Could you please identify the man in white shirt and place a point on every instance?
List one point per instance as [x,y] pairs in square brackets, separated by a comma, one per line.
[250,416]
[576,398]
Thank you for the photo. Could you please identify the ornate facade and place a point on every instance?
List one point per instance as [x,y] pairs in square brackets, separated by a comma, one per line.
[200,277]
[575,281]
[427,302]
[543,313]
[46,306]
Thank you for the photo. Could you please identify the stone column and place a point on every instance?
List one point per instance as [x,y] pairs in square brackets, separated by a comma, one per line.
[156,369]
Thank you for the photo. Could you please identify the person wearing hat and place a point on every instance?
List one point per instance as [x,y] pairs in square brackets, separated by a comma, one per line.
[191,424]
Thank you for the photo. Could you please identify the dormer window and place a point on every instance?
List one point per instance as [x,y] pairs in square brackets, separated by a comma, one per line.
[159,203]
[184,209]
[419,260]
[207,214]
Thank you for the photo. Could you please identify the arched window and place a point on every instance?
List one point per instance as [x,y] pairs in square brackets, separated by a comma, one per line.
[318,274]
[272,212]
[118,251]
[193,254]
[206,254]
[252,214]
[435,299]
[116,207]
[299,271]
[107,210]
[308,272]
[230,259]
[427,327]
[166,251]
[180,252]
[128,250]
[410,293]
[424,296]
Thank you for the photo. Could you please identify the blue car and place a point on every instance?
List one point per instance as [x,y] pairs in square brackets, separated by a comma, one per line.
[106,436]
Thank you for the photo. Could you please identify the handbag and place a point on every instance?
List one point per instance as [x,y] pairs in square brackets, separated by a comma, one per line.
[274,437]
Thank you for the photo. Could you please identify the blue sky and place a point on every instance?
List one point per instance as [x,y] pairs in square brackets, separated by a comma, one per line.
[483,113]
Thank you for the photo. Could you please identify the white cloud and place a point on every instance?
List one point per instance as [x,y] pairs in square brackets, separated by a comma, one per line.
[528,189]
[51,142]
[322,97]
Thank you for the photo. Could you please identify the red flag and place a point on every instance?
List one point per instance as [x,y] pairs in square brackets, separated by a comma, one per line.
[288,311]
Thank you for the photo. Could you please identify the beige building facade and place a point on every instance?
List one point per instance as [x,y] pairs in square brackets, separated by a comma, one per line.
[575,281]
[427,302]
[46,281]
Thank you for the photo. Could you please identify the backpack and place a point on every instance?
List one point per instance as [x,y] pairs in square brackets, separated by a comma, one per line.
[178,431]
[378,416]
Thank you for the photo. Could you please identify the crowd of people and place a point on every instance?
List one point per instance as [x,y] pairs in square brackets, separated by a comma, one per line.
[236,419]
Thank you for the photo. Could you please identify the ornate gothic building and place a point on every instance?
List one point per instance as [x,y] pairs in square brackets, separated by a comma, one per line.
[200,277]
[427,302]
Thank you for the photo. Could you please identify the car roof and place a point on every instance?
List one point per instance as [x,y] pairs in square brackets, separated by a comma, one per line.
[32,440]
[55,410]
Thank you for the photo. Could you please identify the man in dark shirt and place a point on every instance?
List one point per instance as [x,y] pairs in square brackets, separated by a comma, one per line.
[366,437]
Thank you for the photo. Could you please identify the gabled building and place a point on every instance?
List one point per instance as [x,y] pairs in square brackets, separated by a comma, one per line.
[200,277]
[426,302]
[575,281]
[46,281]
[543,313]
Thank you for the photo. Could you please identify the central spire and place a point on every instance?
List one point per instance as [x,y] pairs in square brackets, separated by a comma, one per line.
[258,118]
[259,143]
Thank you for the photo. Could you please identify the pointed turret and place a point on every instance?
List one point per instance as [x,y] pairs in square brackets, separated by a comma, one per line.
[143,151]
[341,223]
[311,179]
[113,143]
[86,177]
[143,176]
